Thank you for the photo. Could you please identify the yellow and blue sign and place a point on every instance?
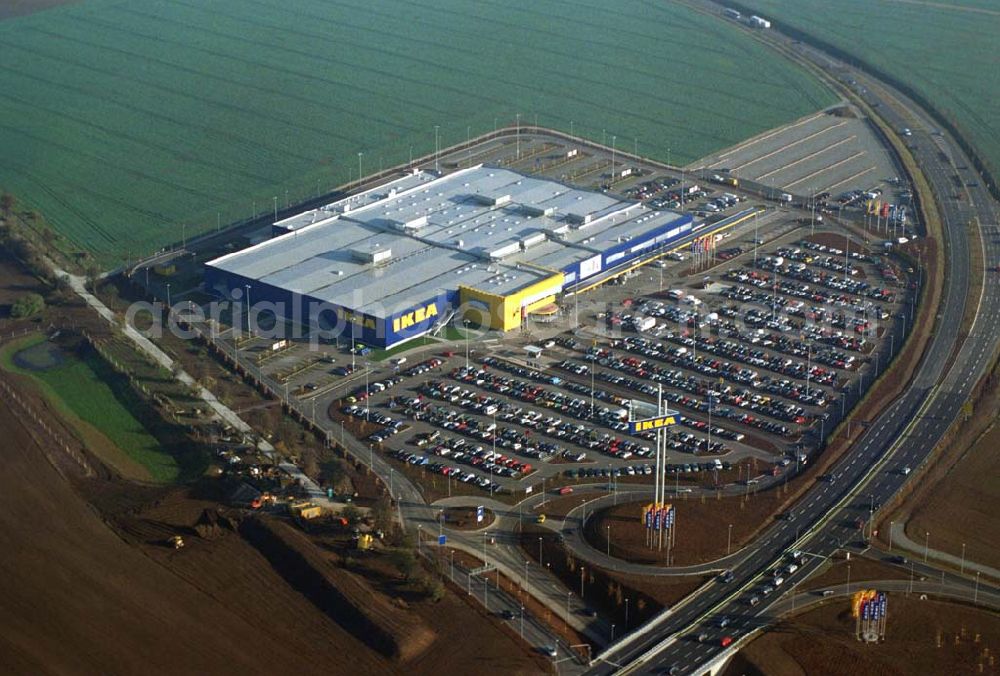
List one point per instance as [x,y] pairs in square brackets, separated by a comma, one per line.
[650,424]
[414,317]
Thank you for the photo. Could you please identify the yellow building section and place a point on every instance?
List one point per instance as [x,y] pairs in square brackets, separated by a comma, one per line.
[504,313]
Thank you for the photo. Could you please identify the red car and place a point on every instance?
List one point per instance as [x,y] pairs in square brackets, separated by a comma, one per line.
[726,640]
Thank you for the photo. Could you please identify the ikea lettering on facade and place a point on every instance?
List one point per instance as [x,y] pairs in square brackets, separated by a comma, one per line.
[357,318]
[405,321]
[652,423]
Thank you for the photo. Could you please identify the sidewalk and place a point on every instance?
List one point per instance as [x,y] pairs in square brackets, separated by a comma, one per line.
[900,538]
[555,597]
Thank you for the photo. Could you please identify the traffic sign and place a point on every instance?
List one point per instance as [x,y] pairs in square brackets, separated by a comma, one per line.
[442,539]
[480,513]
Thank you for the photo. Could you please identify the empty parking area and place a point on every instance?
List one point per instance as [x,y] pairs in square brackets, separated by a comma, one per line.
[833,151]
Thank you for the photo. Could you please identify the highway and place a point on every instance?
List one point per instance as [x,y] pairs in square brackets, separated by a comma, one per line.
[902,436]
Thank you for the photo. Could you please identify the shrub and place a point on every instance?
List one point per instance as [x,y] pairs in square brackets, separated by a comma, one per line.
[28,305]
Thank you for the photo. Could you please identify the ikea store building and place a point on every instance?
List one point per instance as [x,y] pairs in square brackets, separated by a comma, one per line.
[397,262]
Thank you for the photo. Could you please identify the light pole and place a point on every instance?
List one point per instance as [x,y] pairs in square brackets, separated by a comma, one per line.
[518,135]
[465,324]
[927,539]
[729,540]
[613,140]
[539,550]
[975,594]
[890,535]
[612,632]
[168,298]
[963,559]
[592,370]
[437,147]
[626,613]
[609,540]
[249,328]
[275,208]
[582,569]
[359,167]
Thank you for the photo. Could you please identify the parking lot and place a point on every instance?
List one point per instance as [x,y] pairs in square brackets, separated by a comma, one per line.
[756,343]
[754,356]
[834,152]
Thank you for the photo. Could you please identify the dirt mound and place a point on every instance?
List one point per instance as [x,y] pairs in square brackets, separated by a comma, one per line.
[213,524]
[345,597]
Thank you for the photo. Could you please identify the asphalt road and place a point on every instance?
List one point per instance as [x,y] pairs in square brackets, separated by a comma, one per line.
[901,437]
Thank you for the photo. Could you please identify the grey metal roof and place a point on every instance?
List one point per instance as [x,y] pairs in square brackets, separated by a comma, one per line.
[451,231]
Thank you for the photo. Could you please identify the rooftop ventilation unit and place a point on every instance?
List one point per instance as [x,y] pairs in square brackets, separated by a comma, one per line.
[494,201]
[411,225]
[504,251]
[531,211]
[533,240]
[374,256]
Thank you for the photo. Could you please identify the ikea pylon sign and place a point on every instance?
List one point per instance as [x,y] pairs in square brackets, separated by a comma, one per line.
[656,423]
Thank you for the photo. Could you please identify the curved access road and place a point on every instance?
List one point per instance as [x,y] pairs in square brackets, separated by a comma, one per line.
[902,436]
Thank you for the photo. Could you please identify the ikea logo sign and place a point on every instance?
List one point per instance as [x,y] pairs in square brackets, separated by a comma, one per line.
[653,423]
[405,321]
[362,320]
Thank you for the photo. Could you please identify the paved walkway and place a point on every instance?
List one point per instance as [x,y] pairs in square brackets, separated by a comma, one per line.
[78,284]
[899,538]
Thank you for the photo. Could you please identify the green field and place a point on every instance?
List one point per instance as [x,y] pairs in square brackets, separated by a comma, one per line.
[945,49]
[80,390]
[121,120]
